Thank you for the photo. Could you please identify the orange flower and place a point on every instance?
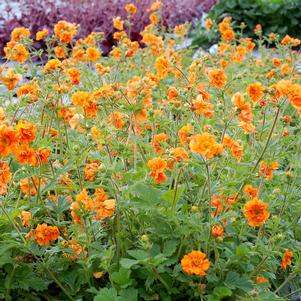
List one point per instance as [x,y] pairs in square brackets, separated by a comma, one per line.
[217,230]
[208,23]
[118,23]
[195,263]
[17,53]
[256,212]
[234,147]
[26,132]
[8,140]
[101,69]
[52,65]
[59,52]
[92,54]
[205,145]
[117,120]
[29,186]
[104,208]
[251,191]
[73,75]
[43,155]
[255,91]
[260,279]
[131,9]
[267,170]
[287,40]
[157,166]
[286,259]
[18,33]
[65,31]
[25,217]
[76,248]
[162,66]
[217,78]
[80,98]
[90,171]
[26,155]
[157,140]
[10,79]
[45,234]
[183,133]
[228,35]
[28,90]
[5,177]
[84,199]
[41,34]
[179,154]
[201,106]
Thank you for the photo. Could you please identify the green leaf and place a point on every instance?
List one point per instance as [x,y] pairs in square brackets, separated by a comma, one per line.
[129,294]
[107,294]
[122,277]
[127,263]
[138,254]
[235,280]
[170,247]
[222,292]
[242,250]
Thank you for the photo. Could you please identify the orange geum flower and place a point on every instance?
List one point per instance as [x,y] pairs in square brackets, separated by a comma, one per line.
[184,132]
[26,155]
[157,140]
[130,8]
[25,217]
[59,52]
[90,171]
[11,79]
[45,234]
[41,34]
[255,91]
[234,147]
[118,23]
[195,263]
[43,155]
[163,65]
[101,69]
[26,132]
[205,145]
[65,31]
[5,177]
[256,212]
[84,199]
[52,65]
[116,119]
[29,90]
[201,106]
[104,209]
[267,170]
[286,259]
[18,33]
[208,23]
[18,53]
[8,140]
[228,35]
[251,191]
[29,186]
[93,54]
[157,166]
[80,98]
[260,279]
[217,78]
[73,75]
[179,154]
[217,230]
